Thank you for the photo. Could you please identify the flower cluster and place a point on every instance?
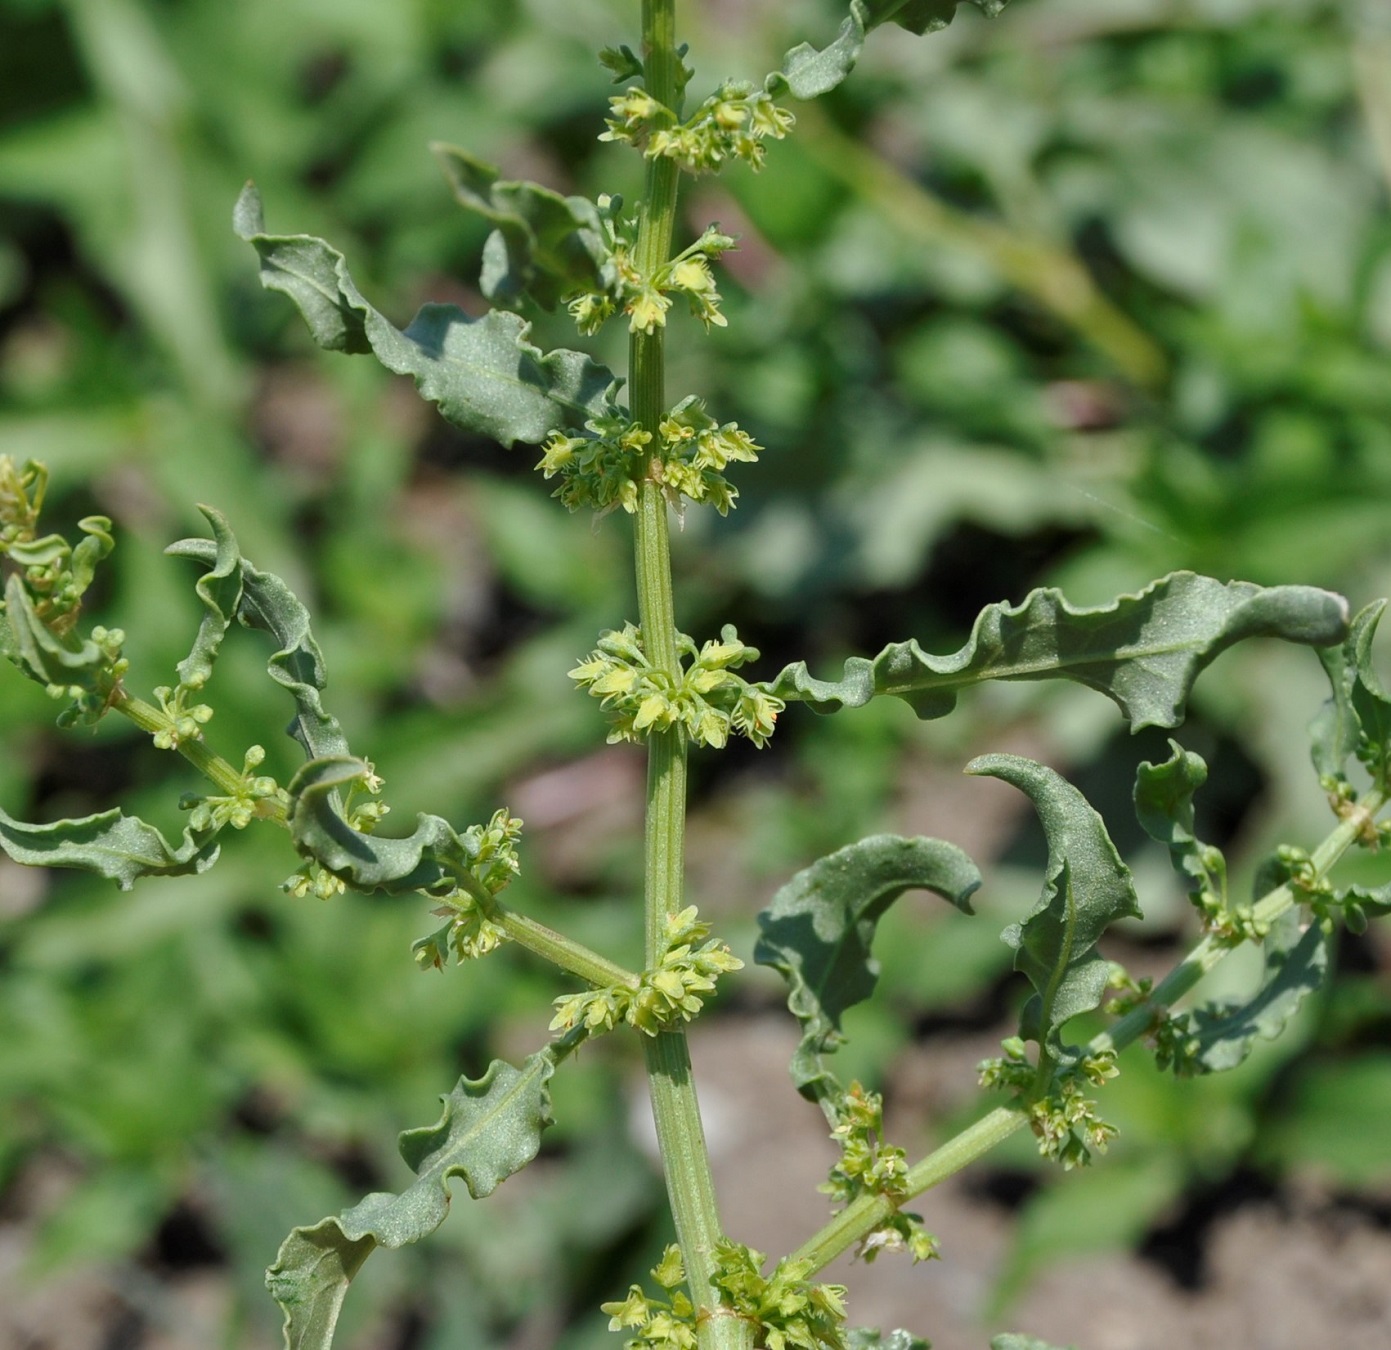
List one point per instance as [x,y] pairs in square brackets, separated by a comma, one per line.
[869,1166]
[601,467]
[1064,1120]
[790,1311]
[472,929]
[364,817]
[646,299]
[660,1324]
[676,988]
[90,702]
[734,123]
[186,720]
[705,698]
[251,799]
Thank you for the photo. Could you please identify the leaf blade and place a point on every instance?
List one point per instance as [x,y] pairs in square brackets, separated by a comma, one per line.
[490,1129]
[1142,651]
[482,373]
[1086,887]
[818,929]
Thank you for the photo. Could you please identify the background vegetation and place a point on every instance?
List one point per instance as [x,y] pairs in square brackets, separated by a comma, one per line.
[1076,297]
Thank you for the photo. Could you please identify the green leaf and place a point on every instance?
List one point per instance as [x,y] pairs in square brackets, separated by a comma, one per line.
[490,1129]
[1356,720]
[865,1338]
[1142,651]
[1361,903]
[819,927]
[267,603]
[1370,700]
[119,847]
[1219,1035]
[220,590]
[483,373]
[432,856]
[1164,805]
[1086,887]
[543,245]
[809,73]
[40,652]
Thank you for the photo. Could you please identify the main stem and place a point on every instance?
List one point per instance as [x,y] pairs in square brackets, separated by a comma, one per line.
[685,1158]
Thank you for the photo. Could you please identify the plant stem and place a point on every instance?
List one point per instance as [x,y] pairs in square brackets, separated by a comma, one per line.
[685,1158]
[212,766]
[560,950]
[858,1220]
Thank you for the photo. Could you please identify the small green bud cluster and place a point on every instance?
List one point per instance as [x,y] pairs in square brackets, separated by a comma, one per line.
[869,1166]
[705,699]
[660,1323]
[601,467]
[643,298]
[239,808]
[791,1312]
[185,720]
[364,817]
[21,500]
[734,123]
[675,989]
[90,702]
[473,929]
[1064,1120]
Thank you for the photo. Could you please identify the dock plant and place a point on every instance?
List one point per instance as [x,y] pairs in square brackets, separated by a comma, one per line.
[647,455]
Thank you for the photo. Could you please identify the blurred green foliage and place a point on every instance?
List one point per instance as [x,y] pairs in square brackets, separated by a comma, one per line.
[1077,297]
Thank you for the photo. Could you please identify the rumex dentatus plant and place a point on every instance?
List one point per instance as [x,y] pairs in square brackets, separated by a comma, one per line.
[654,457]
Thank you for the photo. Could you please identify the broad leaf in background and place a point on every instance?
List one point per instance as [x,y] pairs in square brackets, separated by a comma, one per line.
[262,601]
[1218,1036]
[809,73]
[483,373]
[1142,651]
[818,930]
[1085,889]
[491,1128]
[542,245]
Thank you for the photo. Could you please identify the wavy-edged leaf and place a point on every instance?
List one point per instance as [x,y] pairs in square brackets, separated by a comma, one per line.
[819,927]
[264,601]
[868,1338]
[1142,651]
[543,245]
[433,855]
[1164,805]
[491,1128]
[809,73]
[1370,699]
[1219,1035]
[220,590]
[1086,888]
[482,373]
[37,650]
[119,847]
[1356,719]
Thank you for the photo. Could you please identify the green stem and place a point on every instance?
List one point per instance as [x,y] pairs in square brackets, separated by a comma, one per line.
[858,1220]
[685,1158]
[212,766]
[561,950]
